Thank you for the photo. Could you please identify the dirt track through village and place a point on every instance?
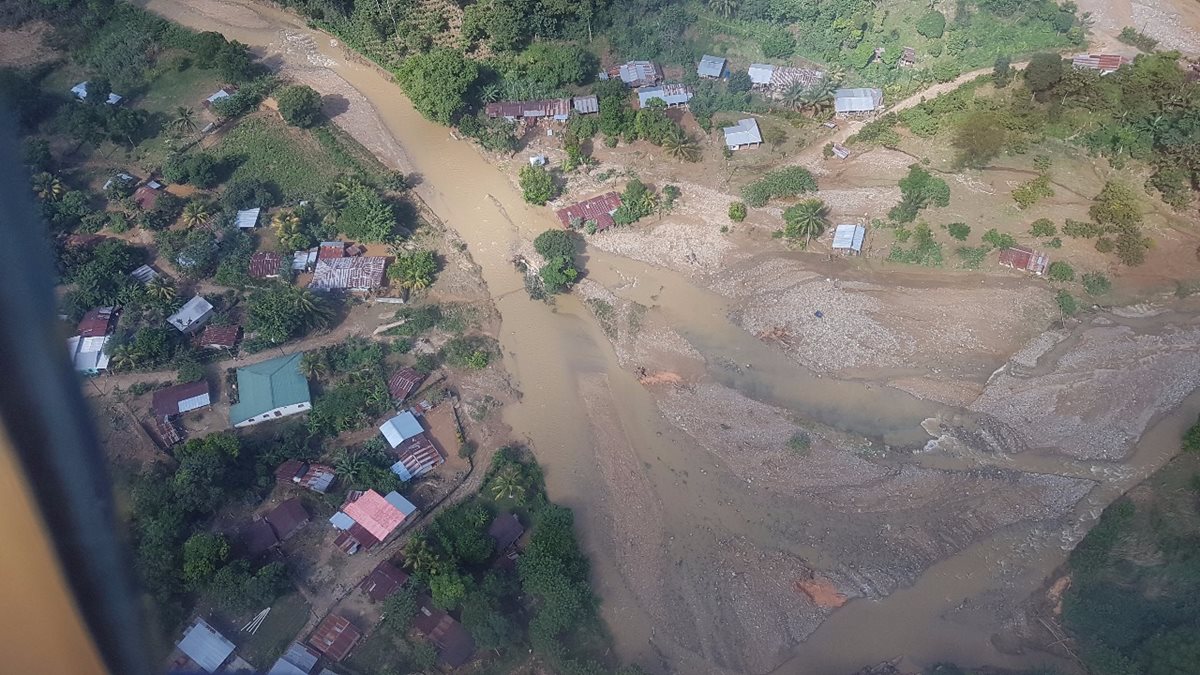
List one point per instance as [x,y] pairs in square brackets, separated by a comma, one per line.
[702,532]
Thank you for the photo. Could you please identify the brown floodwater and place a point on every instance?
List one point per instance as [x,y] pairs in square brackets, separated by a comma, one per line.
[549,349]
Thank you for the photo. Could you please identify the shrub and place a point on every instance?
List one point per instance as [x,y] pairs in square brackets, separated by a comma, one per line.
[789,182]
[999,239]
[1131,36]
[1117,205]
[468,351]
[932,24]
[737,212]
[1043,227]
[924,251]
[1191,439]
[1066,303]
[972,257]
[1032,191]
[959,231]
[537,185]
[1095,283]
[1080,230]
[919,189]
[801,443]
[1061,271]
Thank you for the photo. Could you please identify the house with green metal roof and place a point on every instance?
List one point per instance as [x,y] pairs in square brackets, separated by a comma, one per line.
[270,390]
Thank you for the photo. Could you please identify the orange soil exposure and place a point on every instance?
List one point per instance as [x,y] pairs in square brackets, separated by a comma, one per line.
[1055,594]
[660,377]
[821,592]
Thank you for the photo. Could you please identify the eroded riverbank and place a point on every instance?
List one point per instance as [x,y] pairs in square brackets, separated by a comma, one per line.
[704,532]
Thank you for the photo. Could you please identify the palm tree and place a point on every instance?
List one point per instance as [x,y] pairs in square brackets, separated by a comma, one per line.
[195,213]
[508,485]
[331,201]
[285,222]
[821,93]
[419,557]
[795,95]
[184,120]
[160,289]
[490,93]
[47,187]
[313,366]
[726,8]
[314,310]
[123,359]
[350,467]
[681,146]
[806,219]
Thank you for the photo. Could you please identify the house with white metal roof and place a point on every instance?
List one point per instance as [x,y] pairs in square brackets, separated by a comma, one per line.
[857,101]
[87,353]
[744,134]
[674,95]
[401,428]
[760,73]
[586,105]
[205,646]
[219,95]
[348,274]
[849,237]
[248,218]
[192,316]
[639,73]
[712,67]
[144,274]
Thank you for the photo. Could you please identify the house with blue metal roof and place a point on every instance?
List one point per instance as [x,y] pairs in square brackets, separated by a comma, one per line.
[849,237]
[401,428]
[857,101]
[270,390]
[205,646]
[712,67]
[673,95]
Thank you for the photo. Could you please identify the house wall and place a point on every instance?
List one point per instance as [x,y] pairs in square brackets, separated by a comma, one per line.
[277,413]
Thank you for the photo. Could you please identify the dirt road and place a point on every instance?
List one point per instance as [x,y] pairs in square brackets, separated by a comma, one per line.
[704,532]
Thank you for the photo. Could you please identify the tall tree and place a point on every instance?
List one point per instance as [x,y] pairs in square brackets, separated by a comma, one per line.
[184,121]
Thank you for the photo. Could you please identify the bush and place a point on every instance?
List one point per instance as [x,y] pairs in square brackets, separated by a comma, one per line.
[959,231]
[789,182]
[1096,283]
[737,212]
[1080,230]
[469,351]
[299,105]
[932,24]
[1032,191]
[1066,303]
[555,243]
[998,239]
[1131,36]
[924,251]
[919,189]
[537,185]
[1061,271]
[972,257]
[1191,439]
[800,443]
[1043,227]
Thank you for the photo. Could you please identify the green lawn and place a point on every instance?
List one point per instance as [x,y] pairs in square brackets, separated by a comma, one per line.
[187,88]
[265,148]
[277,631]
[381,652]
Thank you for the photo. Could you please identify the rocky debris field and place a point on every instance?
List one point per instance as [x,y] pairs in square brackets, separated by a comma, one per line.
[1071,405]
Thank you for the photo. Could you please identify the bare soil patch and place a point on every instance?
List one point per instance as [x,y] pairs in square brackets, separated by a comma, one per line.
[26,46]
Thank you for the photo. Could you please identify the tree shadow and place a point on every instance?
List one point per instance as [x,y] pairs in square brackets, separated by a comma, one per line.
[333,105]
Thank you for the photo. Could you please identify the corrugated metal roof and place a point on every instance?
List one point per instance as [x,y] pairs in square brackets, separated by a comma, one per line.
[220,94]
[180,398]
[341,521]
[745,132]
[558,108]
[383,581]
[220,337]
[204,645]
[711,66]
[857,100]
[585,105]
[403,382]
[416,457]
[248,218]
[265,386]
[401,428]
[98,322]
[849,237]
[302,260]
[358,274]
[318,478]
[671,94]
[144,274]
[87,353]
[638,73]
[786,76]
[374,513]
[287,518]
[334,637]
[1105,63]
[80,91]
[192,315]
[1023,258]
[506,530]
[597,209]
[402,505]
[265,264]
[760,73]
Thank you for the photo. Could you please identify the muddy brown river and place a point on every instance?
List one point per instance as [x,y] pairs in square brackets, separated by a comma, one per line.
[552,351]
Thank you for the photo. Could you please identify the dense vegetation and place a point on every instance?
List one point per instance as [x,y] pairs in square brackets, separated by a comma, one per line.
[1134,600]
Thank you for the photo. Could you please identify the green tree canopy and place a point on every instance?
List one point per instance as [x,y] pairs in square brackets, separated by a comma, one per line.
[300,105]
[203,554]
[367,216]
[555,243]
[1043,72]
[437,82]
[537,185]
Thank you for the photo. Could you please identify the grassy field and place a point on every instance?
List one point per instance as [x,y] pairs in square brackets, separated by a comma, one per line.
[288,616]
[264,147]
[180,88]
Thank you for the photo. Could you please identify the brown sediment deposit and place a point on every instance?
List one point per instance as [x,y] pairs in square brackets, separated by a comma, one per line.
[821,592]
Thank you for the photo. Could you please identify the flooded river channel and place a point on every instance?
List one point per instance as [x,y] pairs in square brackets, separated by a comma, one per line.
[569,376]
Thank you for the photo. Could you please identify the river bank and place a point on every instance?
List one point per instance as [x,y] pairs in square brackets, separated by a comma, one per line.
[706,536]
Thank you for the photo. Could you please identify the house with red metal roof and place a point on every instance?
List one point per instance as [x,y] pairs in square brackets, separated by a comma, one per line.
[598,210]
[1104,63]
[368,518]
[99,322]
[404,382]
[383,581]
[334,637]
[454,644]
[1022,258]
[180,398]
[415,457]
[287,518]
[315,477]
[220,337]
[559,109]
[266,265]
